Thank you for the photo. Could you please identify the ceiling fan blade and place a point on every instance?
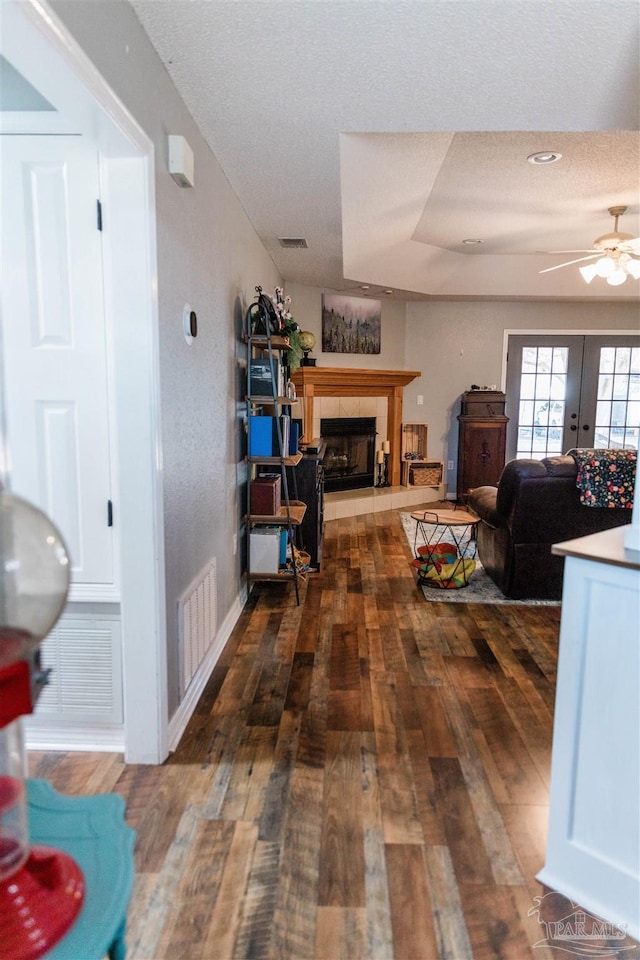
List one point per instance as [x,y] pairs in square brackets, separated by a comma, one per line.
[569,262]
[631,246]
[582,250]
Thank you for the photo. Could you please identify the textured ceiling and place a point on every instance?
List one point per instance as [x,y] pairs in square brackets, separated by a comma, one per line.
[384,132]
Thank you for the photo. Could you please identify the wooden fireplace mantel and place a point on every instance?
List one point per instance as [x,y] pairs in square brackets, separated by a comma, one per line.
[314,382]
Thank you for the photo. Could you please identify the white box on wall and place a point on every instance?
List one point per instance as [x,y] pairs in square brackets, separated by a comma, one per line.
[181,161]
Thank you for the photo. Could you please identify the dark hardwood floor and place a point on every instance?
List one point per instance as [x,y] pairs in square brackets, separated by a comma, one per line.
[366,776]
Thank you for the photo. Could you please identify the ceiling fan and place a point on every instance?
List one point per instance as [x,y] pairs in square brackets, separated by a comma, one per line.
[618,253]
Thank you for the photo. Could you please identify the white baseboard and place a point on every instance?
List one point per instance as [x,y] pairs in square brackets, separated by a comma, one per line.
[181,717]
[59,738]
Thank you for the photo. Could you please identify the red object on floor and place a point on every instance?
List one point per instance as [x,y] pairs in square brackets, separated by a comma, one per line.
[39,903]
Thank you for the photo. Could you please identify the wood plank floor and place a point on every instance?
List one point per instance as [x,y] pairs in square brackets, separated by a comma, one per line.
[366,776]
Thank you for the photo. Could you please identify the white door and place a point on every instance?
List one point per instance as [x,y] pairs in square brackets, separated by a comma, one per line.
[55,353]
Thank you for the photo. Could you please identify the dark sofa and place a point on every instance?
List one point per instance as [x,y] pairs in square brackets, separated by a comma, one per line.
[535,505]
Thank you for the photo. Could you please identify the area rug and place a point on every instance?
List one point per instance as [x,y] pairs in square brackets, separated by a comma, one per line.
[481,588]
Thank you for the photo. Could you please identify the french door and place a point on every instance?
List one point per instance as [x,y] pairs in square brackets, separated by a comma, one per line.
[572,391]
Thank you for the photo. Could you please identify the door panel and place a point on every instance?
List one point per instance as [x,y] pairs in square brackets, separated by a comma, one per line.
[575,391]
[612,391]
[543,395]
[59,464]
[55,345]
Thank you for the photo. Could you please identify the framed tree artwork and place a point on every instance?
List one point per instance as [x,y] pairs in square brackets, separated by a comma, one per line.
[350,324]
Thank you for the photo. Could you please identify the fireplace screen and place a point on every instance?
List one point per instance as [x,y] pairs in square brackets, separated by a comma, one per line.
[349,458]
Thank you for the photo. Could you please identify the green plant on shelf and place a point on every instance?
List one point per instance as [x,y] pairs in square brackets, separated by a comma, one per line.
[290,328]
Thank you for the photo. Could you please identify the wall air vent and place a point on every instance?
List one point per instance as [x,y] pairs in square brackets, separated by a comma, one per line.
[198,620]
[293,243]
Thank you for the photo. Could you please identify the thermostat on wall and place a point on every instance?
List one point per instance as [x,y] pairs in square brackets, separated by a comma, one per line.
[189,324]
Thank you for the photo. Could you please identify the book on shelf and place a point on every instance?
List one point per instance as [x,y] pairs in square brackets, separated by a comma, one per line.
[265,495]
[266,378]
[264,438]
[294,437]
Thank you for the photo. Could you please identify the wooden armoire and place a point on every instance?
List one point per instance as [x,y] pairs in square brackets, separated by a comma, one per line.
[482,437]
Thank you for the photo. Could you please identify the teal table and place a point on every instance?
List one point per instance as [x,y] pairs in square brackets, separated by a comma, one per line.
[91,830]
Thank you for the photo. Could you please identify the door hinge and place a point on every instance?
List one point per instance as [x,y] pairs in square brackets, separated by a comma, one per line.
[99,214]
[109,513]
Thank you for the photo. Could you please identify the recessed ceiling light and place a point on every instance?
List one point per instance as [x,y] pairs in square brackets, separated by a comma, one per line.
[473,241]
[364,286]
[548,156]
[388,291]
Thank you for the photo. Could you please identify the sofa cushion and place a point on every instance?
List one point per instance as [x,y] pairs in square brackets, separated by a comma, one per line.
[563,466]
[482,501]
[513,475]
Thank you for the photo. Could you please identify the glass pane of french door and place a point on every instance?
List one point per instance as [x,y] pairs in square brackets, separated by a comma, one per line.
[543,395]
[611,391]
[573,391]
[543,390]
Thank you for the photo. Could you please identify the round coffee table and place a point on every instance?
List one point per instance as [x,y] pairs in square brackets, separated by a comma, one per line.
[440,526]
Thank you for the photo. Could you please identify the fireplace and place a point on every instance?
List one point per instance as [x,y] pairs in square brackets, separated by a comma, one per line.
[314,382]
[349,458]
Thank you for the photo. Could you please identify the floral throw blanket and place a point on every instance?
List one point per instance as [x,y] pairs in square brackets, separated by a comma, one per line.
[606,478]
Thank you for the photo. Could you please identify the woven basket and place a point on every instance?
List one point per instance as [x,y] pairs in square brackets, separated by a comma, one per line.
[425,476]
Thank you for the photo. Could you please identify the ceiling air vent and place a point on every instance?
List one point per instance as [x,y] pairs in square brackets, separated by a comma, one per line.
[293,243]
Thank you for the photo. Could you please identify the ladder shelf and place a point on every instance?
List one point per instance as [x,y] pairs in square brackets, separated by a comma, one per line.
[265,349]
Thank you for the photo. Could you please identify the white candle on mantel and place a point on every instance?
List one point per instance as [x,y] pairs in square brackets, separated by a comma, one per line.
[386,446]
[380,457]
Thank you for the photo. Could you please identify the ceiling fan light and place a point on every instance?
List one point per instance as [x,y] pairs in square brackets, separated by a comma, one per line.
[617,277]
[633,268]
[588,272]
[605,266]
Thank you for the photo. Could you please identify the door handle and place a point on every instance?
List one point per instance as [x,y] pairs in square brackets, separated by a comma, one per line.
[573,427]
[585,426]
[573,416]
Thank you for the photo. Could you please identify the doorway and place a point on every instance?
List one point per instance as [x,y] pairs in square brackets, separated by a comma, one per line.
[572,391]
[39,47]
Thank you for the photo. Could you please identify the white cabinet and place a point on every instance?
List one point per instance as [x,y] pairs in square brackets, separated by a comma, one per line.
[593,847]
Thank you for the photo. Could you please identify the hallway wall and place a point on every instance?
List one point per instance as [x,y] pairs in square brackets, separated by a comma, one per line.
[210,257]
